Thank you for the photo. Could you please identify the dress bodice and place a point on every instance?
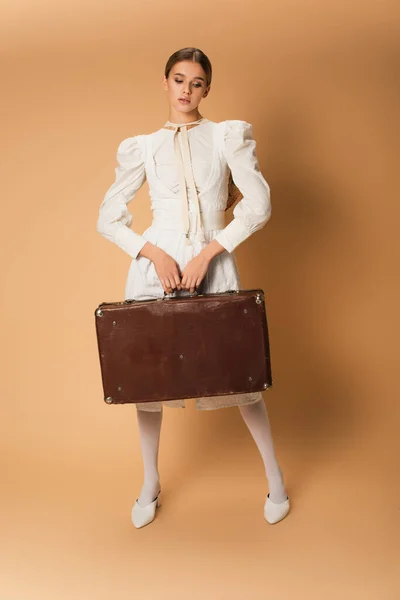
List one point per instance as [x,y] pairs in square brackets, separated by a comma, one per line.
[214,148]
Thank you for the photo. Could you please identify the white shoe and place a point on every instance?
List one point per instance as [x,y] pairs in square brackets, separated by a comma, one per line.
[275,512]
[143,515]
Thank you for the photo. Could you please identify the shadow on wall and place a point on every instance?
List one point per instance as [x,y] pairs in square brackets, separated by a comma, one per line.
[311,405]
[329,158]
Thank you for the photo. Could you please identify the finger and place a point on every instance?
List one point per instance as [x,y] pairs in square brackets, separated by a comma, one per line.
[168,284]
[165,284]
[177,280]
[178,270]
[172,284]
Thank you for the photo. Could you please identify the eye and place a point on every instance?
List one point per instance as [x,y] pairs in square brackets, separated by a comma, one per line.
[195,85]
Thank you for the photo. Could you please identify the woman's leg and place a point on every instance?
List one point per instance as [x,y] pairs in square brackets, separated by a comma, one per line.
[149,431]
[256,418]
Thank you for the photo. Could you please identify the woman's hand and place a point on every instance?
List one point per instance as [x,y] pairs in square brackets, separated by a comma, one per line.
[194,272]
[167,270]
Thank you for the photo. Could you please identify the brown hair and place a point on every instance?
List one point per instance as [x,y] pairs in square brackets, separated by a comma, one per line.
[193,54]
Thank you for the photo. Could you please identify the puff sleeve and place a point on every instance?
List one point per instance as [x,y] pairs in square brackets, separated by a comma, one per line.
[254,209]
[114,217]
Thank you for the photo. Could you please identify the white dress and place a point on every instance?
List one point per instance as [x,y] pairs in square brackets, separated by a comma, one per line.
[187,166]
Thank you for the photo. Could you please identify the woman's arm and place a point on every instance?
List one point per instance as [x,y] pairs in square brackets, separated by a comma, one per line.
[254,209]
[212,250]
[114,217]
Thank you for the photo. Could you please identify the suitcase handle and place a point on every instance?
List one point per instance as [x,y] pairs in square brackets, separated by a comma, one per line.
[191,294]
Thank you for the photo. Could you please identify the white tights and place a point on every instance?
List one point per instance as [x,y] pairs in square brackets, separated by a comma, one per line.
[256,418]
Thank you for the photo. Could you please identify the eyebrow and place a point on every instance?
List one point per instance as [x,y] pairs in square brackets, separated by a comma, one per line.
[182,75]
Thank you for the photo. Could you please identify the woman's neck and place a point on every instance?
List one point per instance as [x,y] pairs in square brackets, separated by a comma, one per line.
[180,117]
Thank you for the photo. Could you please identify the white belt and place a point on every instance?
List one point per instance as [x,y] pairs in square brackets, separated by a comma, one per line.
[169,219]
[186,174]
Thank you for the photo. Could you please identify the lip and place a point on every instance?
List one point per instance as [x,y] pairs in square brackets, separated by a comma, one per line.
[185,100]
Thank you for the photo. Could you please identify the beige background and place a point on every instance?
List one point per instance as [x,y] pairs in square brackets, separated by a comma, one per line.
[318,81]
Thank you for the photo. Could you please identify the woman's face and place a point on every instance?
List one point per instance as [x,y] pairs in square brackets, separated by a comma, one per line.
[186,80]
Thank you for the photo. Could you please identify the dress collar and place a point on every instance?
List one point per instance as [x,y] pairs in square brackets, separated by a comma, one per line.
[174,125]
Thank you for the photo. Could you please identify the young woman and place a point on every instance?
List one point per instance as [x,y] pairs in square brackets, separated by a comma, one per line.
[186,164]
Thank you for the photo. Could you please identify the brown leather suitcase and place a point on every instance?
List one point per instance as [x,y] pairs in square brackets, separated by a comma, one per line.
[180,347]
